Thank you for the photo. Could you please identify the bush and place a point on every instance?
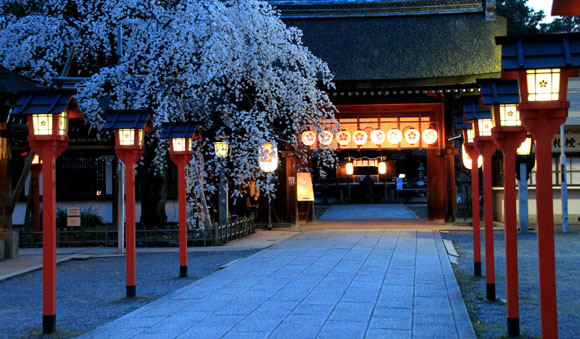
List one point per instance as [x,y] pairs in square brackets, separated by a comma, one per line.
[89,218]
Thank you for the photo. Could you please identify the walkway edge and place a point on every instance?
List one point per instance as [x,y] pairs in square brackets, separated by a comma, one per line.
[462,320]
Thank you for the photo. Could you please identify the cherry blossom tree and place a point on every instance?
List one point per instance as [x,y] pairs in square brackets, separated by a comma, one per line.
[231,65]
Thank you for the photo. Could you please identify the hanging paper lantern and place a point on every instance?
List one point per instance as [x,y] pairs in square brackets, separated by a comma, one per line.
[325,138]
[308,138]
[429,136]
[382,167]
[377,137]
[268,160]
[412,136]
[343,138]
[359,137]
[349,168]
[394,136]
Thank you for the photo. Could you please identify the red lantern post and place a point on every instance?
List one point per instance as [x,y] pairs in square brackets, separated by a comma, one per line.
[468,135]
[181,136]
[48,115]
[486,146]
[35,170]
[509,134]
[129,126]
[542,65]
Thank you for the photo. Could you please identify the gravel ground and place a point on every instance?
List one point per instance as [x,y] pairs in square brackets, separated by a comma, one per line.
[91,292]
[489,318]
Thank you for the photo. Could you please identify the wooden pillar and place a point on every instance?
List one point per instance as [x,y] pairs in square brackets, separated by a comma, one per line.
[436,185]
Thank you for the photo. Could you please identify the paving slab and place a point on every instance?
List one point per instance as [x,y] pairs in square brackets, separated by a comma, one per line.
[306,287]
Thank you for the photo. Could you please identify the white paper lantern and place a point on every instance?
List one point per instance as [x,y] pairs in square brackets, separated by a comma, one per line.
[377,137]
[268,157]
[325,138]
[412,136]
[382,167]
[359,137]
[429,136]
[308,138]
[343,138]
[394,136]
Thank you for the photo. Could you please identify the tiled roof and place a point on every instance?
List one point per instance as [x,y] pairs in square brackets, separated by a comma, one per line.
[180,130]
[47,101]
[497,91]
[117,119]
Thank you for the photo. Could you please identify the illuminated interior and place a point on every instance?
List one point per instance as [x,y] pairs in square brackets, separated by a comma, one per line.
[543,84]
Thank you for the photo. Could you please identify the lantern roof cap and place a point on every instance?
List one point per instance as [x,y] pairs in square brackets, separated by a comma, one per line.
[461,125]
[540,51]
[472,111]
[48,101]
[180,130]
[497,91]
[138,118]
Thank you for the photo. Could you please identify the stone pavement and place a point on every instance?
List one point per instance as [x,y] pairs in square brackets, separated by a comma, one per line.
[368,212]
[326,284]
[30,259]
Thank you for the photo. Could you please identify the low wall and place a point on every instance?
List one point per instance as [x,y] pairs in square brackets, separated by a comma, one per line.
[573,205]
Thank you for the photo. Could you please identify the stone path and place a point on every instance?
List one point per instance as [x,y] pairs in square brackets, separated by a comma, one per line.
[368,212]
[353,284]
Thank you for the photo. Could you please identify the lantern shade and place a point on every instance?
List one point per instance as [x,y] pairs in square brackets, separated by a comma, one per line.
[129,126]
[349,168]
[484,127]
[221,148]
[268,157]
[42,124]
[359,137]
[526,146]
[180,144]
[343,138]
[543,84]
[412,136]
[378,137]
[308,138]
[508,115]
[429,136]
[325,138]
[394,136]
[382,167]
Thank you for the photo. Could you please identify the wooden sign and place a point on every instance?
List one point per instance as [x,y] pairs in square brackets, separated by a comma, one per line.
[73,221]
[304,186]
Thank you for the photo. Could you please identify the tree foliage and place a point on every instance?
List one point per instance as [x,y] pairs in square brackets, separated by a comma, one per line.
[523,20]
[231,65]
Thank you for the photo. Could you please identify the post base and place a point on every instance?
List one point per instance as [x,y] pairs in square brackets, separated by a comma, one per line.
[513,325]
[183,271]
[131,291]
[48,324]
[477,269]
[491,292]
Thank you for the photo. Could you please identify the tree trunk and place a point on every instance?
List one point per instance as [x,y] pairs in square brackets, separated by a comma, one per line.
[153,190]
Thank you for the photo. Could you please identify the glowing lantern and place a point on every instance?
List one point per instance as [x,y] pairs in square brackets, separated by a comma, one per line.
[429,136]
[343,138]
[221,149]
[525,147]
[349,168]
[412,136]
[485,126]
[467,161]
[382,167]
[325,138]
[543,84]
[308,138]
[377,137]
[360,137]
[268,160]
[509,115]
[394,136]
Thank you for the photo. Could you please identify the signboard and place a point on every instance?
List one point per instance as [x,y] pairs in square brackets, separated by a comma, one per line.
[73,216]
[304,186]
[571,142]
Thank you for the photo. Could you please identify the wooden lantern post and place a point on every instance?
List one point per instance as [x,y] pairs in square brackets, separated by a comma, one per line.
[542,65]
[48,113]
[181,136]
[130,127]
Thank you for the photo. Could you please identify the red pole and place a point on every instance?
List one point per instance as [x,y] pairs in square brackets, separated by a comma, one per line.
[545,214]
[475,211]
[35,170]
[509,142]
[47,154]
[181,161]
[129,157]
[487,148]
